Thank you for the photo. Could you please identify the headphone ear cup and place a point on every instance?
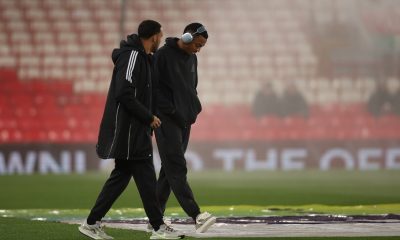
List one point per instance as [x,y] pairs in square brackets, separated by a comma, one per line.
[187,38]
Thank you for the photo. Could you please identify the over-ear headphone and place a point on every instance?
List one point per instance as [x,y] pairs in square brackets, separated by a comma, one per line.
[188,37]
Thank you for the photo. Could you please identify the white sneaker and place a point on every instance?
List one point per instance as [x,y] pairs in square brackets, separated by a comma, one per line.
[166,232]
[149,228]
[95,231]
[167,221]
[204,221]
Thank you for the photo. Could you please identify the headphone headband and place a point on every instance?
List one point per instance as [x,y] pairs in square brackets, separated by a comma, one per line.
[188,37]
[201,29]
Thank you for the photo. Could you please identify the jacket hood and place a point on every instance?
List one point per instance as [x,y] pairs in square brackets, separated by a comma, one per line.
[132,42]
[172,42]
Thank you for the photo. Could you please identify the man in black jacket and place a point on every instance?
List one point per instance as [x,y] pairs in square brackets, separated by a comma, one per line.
[177,105]
[125,132]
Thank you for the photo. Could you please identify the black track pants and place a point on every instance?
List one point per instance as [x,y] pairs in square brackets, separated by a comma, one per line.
[145,178]
[172,142]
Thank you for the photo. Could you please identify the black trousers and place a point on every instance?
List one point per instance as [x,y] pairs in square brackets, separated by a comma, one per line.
[145,178]
[172,142]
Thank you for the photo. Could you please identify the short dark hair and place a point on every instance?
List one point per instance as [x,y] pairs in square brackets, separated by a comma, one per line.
[192,28]
[148,28]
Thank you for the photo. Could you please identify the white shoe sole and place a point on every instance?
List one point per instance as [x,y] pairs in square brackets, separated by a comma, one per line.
[89,233]
[206,225]
[166,237]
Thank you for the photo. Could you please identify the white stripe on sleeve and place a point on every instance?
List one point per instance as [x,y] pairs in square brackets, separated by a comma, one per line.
[131,65]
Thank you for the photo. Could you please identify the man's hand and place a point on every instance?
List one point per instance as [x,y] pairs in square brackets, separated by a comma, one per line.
[156,122]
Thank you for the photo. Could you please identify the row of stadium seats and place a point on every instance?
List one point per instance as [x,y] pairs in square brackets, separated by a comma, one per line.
[59,55]
[73,40]
[79,126]
[39,111]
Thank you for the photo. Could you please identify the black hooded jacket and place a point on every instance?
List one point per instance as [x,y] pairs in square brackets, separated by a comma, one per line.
[125,131]
[175,83]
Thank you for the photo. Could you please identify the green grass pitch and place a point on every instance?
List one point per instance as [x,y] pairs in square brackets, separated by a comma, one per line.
[223,193]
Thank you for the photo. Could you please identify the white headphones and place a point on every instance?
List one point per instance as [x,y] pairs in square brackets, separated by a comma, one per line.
[188,37]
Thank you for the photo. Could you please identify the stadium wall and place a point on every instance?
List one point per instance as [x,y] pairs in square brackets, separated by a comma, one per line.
[225,156]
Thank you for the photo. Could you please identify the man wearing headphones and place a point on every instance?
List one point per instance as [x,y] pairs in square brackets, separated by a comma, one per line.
[177,105]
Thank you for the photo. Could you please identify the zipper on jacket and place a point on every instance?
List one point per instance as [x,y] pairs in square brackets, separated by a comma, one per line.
[129,136]
[129,140]
[115,132]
